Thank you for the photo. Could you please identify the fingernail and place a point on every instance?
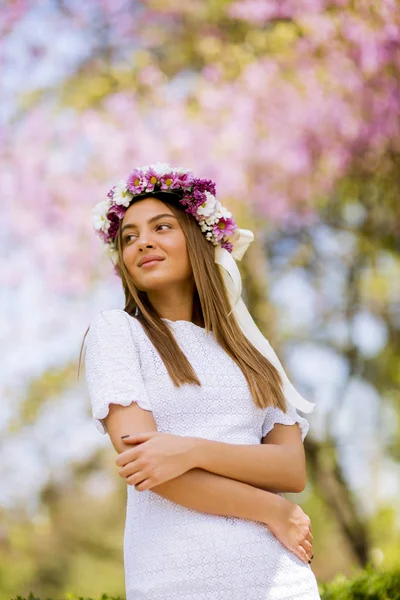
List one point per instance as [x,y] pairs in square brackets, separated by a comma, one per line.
[312,556]
[309,561]
[124,436]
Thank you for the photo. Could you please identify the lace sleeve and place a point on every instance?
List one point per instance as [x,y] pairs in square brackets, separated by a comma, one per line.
[112,366]
[276,415]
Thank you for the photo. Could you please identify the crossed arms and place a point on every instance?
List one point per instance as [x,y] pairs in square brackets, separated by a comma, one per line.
[222,479]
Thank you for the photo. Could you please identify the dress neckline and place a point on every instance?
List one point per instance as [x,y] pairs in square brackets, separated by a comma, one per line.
[181,323]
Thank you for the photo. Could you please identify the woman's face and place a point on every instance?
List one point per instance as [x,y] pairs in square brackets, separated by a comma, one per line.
[150,229]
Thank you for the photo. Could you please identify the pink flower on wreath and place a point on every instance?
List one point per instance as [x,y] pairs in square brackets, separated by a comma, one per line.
[151,178]
[184,180]
[193,193]
[170,181]
[136,184]
[224,228]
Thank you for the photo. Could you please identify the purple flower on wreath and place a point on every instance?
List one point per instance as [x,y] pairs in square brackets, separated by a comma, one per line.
[192,193]
[117,209]
[115,219]
[136,184]
[224,228]
[112,232]
[198,198]
[186,200]
[151,178]
[204,185]
[227,245]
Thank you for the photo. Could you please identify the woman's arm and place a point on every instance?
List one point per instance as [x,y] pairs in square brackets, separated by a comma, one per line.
[217,495]
[196,489]
[278,464]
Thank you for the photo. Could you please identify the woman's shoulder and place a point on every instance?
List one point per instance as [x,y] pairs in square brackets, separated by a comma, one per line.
[114,332]
[112,320]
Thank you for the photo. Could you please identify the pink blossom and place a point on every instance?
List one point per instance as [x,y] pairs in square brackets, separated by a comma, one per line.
[273,143]
[185,181]
[224,228]
[136,183]
[170,181]
[152,180]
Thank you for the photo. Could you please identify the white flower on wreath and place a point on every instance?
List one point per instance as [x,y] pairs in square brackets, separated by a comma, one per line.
[182,170]
[209,207]
[121,194]
[161,168]
[222,212]
[99,216]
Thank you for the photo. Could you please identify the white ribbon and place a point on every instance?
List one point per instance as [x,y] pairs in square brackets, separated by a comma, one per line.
[233,283]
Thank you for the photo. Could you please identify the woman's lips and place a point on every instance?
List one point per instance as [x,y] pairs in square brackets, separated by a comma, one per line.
[149,263]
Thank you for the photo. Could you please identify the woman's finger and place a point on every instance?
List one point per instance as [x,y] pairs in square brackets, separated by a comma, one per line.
[144,485]
[307,548]
[136,478]
[130,469]
[302,554]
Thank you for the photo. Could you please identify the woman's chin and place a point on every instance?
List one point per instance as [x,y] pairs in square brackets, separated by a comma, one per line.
[153,283]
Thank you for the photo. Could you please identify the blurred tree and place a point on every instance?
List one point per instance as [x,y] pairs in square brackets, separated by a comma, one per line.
[297,105]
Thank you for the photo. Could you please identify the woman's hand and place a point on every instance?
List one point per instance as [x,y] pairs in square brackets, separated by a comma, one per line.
[290,524]
[157,457]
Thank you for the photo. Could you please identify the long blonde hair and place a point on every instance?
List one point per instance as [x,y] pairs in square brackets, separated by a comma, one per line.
[211,308]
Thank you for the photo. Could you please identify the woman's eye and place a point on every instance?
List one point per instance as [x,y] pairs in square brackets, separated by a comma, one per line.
[130,235]
[126,238]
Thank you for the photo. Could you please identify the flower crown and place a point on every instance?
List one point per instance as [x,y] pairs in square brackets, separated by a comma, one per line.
[196,195]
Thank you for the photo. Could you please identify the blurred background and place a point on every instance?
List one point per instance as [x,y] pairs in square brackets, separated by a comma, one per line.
[293,108]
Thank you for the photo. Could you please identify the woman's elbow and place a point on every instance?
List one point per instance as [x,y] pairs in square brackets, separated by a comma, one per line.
[299,482]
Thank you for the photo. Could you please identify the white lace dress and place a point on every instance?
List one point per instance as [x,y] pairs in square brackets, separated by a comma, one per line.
[172,552]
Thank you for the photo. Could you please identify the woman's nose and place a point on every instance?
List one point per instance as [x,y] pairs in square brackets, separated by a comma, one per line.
[144,242]
[144,238]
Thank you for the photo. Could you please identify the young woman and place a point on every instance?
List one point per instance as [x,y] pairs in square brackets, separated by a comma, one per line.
[196,404]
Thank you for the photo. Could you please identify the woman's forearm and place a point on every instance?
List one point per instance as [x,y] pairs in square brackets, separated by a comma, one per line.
[197,489]
[274,467]
[218,495]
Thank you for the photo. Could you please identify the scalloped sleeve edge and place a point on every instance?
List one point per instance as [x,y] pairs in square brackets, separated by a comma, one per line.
[289,418]
[99,415]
